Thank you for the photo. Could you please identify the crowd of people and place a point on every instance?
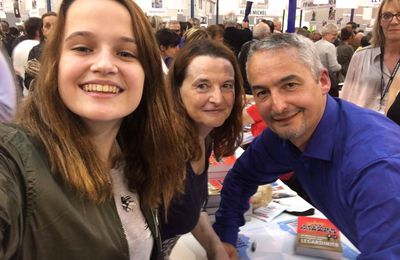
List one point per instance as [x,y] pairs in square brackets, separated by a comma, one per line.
[109,118]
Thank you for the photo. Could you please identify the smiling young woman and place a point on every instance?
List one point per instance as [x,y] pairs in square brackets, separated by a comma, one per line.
[96,149]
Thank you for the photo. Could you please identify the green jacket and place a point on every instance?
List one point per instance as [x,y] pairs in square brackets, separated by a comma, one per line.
[41,218]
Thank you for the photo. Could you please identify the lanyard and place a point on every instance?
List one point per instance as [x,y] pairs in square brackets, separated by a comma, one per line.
[385,89]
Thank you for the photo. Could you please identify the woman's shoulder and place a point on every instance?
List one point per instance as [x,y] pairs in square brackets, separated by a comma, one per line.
[15,139]
[10,131]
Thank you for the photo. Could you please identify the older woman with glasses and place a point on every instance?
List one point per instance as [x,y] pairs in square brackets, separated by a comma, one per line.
[372,69]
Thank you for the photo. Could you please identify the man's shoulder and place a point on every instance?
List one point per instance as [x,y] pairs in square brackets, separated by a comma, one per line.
[365,128]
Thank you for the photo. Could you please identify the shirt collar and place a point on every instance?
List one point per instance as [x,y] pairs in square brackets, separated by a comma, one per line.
[321,143]
[376,53]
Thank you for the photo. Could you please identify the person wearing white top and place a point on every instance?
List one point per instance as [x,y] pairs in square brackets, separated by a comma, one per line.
[8,95]
[372,69]
[21,51]
[327,54]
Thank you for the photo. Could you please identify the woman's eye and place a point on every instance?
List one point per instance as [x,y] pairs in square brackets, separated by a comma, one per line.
[81,49]
[126,54]
[202,86]
[228,86]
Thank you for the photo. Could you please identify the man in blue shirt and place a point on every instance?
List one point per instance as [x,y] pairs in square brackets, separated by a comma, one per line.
[347,158]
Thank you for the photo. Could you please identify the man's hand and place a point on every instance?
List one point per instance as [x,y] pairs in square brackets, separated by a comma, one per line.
[230,250]
[245,24]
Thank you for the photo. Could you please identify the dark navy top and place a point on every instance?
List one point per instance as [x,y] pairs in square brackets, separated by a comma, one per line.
[184,211]
[350,169]
[394,111]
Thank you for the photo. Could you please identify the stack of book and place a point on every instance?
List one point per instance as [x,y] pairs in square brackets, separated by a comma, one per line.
[318,237]
[217,171]
[214,197]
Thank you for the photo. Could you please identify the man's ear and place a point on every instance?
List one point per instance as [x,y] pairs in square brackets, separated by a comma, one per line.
[163,48]
[325,82]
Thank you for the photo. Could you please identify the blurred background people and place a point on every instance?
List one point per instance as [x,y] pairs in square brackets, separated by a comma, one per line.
[33,65]
[345,51]
[20,53]
[216,32]
[168,42]
[234,37]
[260,31]
[195,34]
[327,53]
[156,22]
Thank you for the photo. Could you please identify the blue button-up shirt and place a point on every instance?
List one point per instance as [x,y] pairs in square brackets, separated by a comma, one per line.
[350,169]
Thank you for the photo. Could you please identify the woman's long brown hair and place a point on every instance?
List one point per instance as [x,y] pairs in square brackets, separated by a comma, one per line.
[152,148]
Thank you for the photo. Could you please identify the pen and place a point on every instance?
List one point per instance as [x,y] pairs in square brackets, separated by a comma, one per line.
[253,246]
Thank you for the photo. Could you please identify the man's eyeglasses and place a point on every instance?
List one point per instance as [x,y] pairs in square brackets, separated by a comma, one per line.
[388,17]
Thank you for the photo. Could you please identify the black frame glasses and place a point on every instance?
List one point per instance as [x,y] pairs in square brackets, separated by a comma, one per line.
[388,17]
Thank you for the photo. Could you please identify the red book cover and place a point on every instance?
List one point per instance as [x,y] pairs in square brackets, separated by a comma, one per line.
[218,169]
[318,237]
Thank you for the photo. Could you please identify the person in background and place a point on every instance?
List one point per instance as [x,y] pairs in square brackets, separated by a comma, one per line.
[356,42]
[328,56]
[156,23]
[260,31]
[184,27]
[302,31]
[206,84]
[270,24]
[194,22]
[326,141]
[96,149]
[216,32]
[366,40]
[372,69]
[8,88]
[352,26]
[6,36]
[168,42]
[277,25]
[195,34]
[21,51]
[174,26]
[345,51]
[315,36]
[234,37]
[33,65]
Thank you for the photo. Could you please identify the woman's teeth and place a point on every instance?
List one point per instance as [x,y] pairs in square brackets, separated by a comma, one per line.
[101,88]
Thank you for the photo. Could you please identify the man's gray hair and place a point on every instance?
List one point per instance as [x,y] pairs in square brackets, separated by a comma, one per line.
[230,20]
[329,28]
[261,30]
[307,53]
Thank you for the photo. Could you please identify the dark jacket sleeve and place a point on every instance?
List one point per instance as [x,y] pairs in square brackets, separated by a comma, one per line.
[11,206]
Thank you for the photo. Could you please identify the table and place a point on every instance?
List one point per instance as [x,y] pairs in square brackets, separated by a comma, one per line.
[274,240]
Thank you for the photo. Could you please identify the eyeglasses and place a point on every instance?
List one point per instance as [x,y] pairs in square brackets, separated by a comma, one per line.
[388,17]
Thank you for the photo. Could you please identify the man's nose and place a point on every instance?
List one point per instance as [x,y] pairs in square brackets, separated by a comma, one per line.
[278,103]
